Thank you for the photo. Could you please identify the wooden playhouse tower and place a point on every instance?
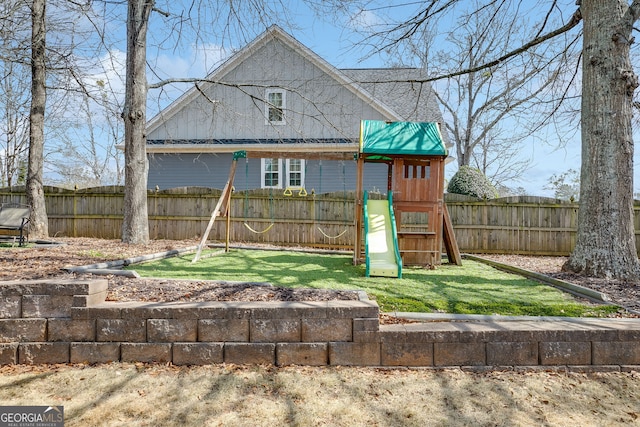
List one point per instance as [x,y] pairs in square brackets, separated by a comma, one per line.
[415,155]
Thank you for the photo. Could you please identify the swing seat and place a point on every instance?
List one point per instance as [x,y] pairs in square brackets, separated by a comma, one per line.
[259,232]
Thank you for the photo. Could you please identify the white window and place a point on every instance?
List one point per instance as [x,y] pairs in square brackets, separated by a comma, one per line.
[295,173]
[271,175]
[275,103]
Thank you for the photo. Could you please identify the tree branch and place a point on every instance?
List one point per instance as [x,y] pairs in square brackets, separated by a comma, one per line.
[576,18]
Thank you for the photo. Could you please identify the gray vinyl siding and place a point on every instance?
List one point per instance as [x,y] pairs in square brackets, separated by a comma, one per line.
[212,170]
[316,105]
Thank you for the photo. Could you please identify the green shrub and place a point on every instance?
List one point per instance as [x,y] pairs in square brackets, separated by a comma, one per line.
[472,182]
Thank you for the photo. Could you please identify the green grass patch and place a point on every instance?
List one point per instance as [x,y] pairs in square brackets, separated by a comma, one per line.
[12,245]
[473,288]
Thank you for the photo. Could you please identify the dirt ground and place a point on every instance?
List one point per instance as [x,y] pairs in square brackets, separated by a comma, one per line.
[227,395]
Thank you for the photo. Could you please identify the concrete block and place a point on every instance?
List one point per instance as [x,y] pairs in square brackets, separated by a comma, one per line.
[124,330]
[199,353]
[512,353]
[459,353]
[69,286]
[406,354]
[172,330]
[223,330]
[145,352]
[309,354]
[94,352]
[367,336]
[10,307]
[565,353]
[71,330]
[366,325]
[616,353]
[23,330]
[319,330]
[12,288]
[250,353]
[43,352]
[89,300]
[102,312]
[289,310]
[352,309]
[354,354]
[46,306]
[275,330]
[8,354]
[148,311]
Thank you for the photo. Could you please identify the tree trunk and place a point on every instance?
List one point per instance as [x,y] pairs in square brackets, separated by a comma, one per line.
[605,245]
[39,226]
[135,225]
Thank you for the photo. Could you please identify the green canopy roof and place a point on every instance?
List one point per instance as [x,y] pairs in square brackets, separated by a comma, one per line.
[401,138]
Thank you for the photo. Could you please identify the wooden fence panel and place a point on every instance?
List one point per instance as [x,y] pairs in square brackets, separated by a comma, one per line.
[522,225]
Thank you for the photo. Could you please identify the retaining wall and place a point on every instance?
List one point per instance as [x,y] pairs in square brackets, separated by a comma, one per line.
[56,321]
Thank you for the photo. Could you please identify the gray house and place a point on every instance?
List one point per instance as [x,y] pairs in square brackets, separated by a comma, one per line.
[277,96]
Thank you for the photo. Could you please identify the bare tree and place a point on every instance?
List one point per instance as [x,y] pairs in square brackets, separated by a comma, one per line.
[135,227]
[489,111]
[14,90]
[39,226]
[605,245]
[85,153]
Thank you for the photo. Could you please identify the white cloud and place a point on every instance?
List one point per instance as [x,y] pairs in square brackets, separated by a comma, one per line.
[364,20]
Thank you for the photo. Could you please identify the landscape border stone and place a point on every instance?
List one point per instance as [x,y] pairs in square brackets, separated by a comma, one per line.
[90,330]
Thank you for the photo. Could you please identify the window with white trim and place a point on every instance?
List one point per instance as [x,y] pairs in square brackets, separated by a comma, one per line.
[271,173]
[275,103]
[295,173]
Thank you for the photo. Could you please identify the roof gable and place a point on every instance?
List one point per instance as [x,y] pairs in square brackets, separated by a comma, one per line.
[273,32]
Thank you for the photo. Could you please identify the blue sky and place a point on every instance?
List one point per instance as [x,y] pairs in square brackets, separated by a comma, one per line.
[335,41]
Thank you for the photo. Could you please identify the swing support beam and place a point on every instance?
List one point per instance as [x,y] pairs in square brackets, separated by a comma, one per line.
[222,208]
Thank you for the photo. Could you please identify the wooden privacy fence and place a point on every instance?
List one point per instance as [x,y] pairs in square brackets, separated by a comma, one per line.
[523,224]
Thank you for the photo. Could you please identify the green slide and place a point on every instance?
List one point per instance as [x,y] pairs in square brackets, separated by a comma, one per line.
[381,240]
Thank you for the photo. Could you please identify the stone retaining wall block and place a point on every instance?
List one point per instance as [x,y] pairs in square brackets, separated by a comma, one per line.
[565,353]
[198,353]
[354,353]
[250,353]
[616,352]
[123,330]
[23,330]
[145,352]
[318,330]
[94,352]
[512,353]
[172,330]
[71,330]
[43,352]
[308,354]
[275,330]
[459,353]
[8,354]
[406,354]
[10,307]
[223,330]
[46,306]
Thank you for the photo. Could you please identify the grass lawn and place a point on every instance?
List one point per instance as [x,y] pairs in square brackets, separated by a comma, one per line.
[473,288]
